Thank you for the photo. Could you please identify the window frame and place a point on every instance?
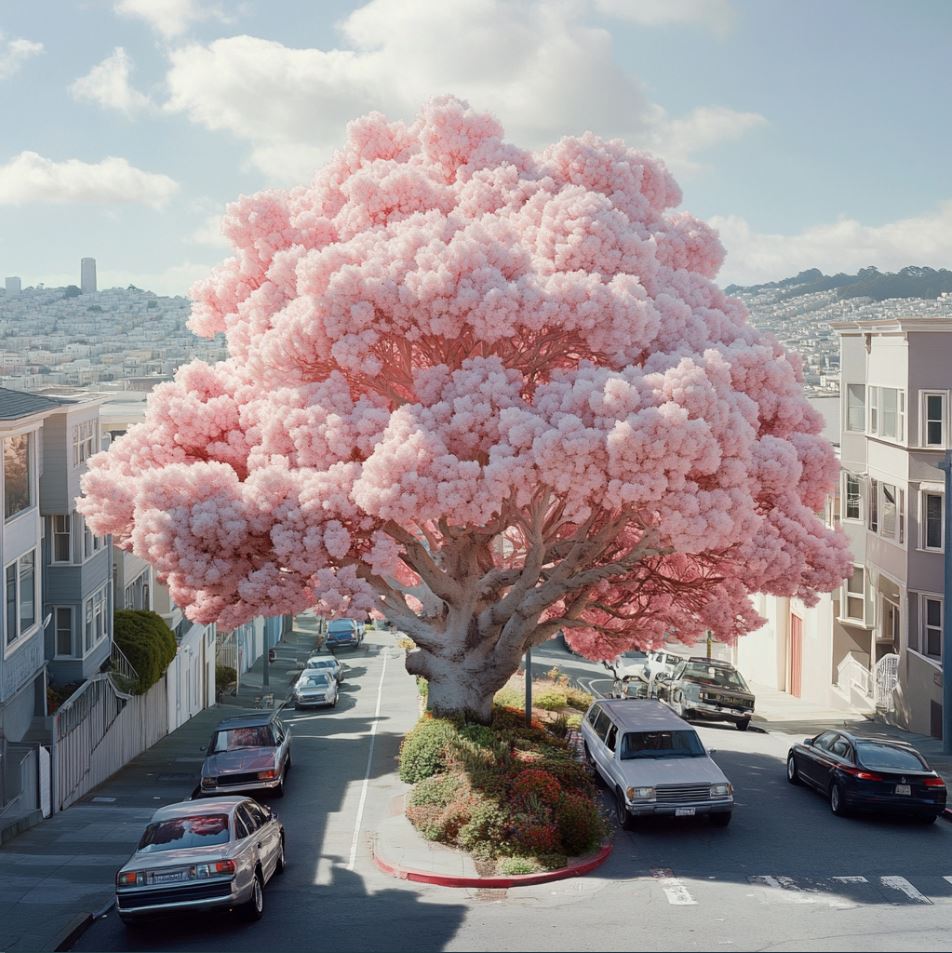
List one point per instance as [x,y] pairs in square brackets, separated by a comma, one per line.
[30,475]
[872,409]
[924,627]
[14,622]
[872,511]
[95,619]
[924,546]
[859,498]
[84,442]
[861,409]
[924,419]
[56,610]
[57,534]
[848,594]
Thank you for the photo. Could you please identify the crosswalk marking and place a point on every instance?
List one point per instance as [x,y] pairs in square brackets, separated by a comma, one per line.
[678,895]
[786,885]
[851,880]
[903,886]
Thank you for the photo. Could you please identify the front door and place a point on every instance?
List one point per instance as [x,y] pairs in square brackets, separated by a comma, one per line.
[796,655]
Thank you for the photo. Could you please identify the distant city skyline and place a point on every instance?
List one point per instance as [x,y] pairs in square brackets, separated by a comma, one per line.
[130,123]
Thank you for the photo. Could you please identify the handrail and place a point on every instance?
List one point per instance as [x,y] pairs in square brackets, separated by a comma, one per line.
[851,673]
[121,666]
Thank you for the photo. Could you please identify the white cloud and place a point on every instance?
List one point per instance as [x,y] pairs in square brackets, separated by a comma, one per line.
[717,15]
[844,245]
[209,233]
[30,177]
[14,53]
[107,84]
[171,18]
[539,66]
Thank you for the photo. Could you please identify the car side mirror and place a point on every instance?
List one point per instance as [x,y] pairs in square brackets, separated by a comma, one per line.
[808,742]
[203,749]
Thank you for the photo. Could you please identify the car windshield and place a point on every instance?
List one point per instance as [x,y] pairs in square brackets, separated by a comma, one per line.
[257,736]
[341,625]
[634,655]
[715,675]
[887,758]
[317,680]
[199,830]
[321,663]
[661,744]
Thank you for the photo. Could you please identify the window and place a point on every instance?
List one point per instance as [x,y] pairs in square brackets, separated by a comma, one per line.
[890,625]
[852,498]
[856,407]
[94,620]
[874,505]
[17,475]
[902,515]
[887,412]
[62,539]
[874,410]
[91,542]
[931,627]
[84,436]
[63,616]
[855,601]
[931,530]
[888,511]
[20,596]
[932,421]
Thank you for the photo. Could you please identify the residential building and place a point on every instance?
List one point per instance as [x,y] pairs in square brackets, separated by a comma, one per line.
[896,382]
[12,285]
[87,267]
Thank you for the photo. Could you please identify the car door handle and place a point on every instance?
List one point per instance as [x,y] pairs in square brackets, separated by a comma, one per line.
[260,845]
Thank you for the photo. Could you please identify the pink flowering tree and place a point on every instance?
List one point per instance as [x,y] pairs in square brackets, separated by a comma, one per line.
[488,393]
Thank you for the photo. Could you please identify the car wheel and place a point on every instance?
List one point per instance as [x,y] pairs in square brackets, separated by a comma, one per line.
[743,725]
[590,761]
[722,819]
[793,773]
[254,907]
[928,819]
[625,821]
[282,862]
[837,805]
[132,923]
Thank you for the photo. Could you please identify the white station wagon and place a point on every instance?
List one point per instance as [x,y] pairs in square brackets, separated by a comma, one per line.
[653,762]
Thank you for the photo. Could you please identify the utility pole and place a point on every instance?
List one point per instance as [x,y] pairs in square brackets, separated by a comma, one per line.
[710,644]
[529,686]
[946,465]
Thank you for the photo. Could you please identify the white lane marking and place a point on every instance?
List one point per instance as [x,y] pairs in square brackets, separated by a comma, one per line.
[370,756]
[948,880]
[674,890]
[850,880]
[904,887]
[788,889]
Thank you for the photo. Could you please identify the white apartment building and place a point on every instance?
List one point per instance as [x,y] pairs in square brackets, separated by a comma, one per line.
[896,377]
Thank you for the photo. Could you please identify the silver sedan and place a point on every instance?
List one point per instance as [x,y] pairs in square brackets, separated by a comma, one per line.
[198,855]
[316,686]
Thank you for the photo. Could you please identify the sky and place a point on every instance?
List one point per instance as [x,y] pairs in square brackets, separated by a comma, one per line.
[812,133]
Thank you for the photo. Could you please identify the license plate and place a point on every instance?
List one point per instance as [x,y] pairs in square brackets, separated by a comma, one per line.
[684,812]
[172,877]
[904,789]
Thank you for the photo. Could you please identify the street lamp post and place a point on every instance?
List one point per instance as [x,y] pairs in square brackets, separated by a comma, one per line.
[946,466]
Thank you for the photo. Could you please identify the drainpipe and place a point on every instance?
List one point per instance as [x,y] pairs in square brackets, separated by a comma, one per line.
[946,466]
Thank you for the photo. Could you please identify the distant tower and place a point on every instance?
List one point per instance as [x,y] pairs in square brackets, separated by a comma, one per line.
[88,280]
[13,286]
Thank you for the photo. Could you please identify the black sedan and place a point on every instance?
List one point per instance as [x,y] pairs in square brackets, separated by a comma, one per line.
[865,774]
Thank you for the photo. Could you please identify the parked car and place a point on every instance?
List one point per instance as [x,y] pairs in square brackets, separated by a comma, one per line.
[327,662]
[709,689]
[653,762]
[661,663]
[247,753]
[866,774]
[198,855]
[344,632]
[316,686]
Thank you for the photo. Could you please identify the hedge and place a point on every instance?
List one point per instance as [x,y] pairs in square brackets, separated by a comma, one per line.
[148,643]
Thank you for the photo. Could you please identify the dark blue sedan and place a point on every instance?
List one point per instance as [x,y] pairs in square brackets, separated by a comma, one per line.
[866,774]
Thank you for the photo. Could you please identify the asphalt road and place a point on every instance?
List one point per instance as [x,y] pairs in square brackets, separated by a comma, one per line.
[786,875]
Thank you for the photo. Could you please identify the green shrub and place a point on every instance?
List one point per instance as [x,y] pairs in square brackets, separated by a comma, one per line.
[551,861]
[225,675]
[574,722]
[559,726]
[487,829]
[550,701]
[513,866]
[480,735]
[148,643]
[423,752]
[423,686]
[437,790]
[580,826]
[510,698]
[576,698]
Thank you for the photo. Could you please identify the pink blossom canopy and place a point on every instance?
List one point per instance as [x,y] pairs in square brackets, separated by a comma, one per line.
[501,381]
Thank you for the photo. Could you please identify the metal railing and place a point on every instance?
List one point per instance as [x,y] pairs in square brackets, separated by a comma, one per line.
[887,677]
[123,673]
[852,674]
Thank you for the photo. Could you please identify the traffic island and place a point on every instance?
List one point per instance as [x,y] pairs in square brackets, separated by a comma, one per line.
[399,850]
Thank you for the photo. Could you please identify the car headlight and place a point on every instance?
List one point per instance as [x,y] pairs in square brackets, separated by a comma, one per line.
[690,690]
[640,794]
[722,790]
[209,782]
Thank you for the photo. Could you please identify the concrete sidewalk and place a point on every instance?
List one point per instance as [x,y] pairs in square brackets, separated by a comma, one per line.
[59,874]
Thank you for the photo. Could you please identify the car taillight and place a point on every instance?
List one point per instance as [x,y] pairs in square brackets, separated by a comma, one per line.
[215,869]
[934,783]
[863,775]
[129,878]
[268,775]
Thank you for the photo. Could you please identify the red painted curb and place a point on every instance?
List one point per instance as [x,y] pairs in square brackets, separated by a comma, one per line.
[946,815]
[515,880]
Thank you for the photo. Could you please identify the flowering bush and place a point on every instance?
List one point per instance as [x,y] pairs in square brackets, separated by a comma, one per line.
[580,825]
[533,783]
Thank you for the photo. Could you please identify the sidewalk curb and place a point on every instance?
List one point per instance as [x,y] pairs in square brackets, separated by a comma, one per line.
[515,880]
[946,815]
[73,931]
